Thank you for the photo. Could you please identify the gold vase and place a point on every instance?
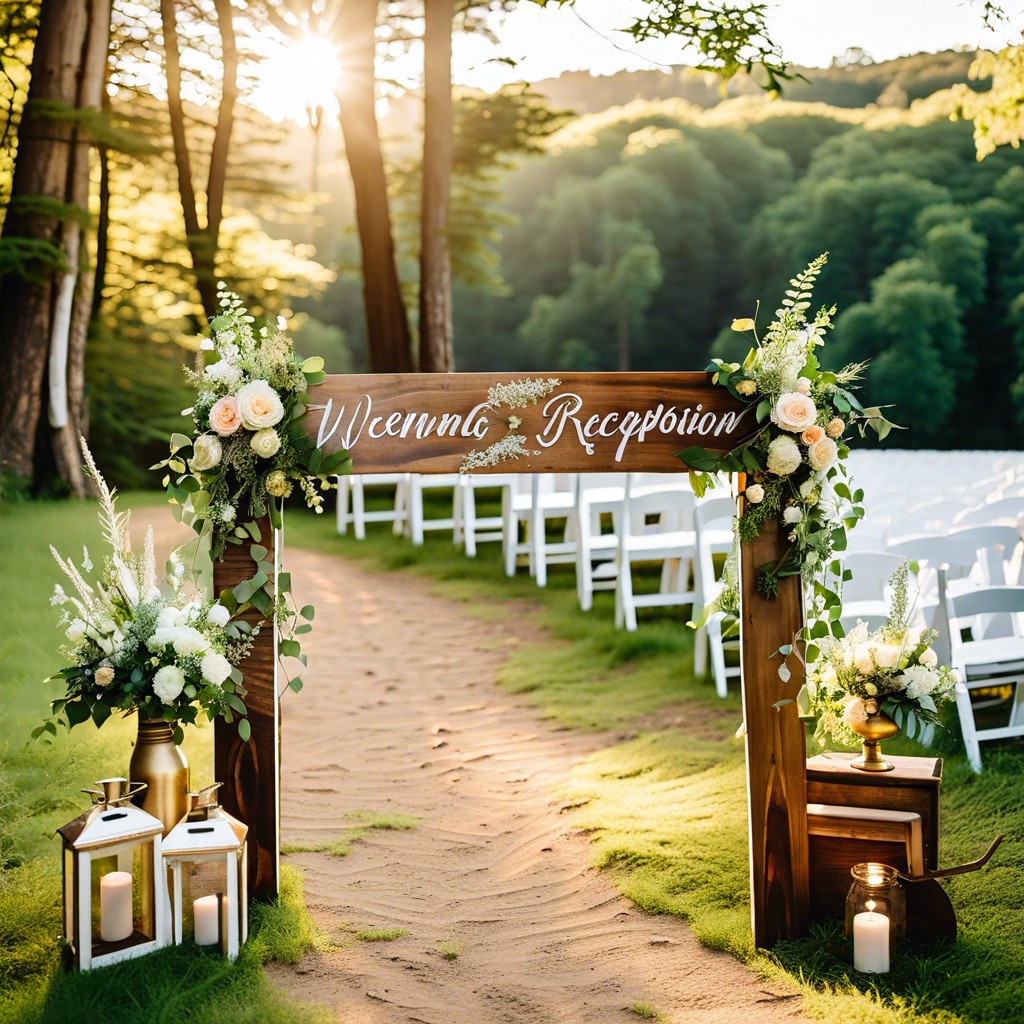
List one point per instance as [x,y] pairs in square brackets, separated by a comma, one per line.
[160,763]
[872,731]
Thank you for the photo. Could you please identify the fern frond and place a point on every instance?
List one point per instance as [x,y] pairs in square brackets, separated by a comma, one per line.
[113,523]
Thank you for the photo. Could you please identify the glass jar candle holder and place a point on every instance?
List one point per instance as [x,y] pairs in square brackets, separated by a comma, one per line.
[875,915]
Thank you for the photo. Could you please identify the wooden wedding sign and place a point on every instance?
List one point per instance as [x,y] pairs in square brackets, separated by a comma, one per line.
[577,423]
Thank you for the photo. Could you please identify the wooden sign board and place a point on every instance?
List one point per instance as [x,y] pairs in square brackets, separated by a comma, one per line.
[585,422]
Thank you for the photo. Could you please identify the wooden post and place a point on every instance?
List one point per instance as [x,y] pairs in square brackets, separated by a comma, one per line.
[776,750]
[251,772]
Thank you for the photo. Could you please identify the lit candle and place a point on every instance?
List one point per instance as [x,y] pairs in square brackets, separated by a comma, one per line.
[206,920]
[116,906]
[871,941]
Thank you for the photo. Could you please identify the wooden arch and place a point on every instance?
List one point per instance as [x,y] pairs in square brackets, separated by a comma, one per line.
[588,422]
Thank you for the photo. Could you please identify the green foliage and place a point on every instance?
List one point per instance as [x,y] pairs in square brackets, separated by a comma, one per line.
[341,845]
[282,929]
[380,934]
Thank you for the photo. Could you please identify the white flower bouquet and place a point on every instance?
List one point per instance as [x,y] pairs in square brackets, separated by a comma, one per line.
[894,665]
[132,645]
[247,450]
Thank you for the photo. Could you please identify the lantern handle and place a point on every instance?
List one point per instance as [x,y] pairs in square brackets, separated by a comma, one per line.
[961,869]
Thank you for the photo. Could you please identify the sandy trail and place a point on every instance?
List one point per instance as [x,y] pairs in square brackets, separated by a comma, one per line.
[401,714]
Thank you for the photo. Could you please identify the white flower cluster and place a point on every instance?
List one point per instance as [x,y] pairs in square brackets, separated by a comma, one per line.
[509,448]
[518,394]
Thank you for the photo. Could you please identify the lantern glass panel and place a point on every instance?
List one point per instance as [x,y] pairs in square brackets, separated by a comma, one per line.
[117,905]
[201,879]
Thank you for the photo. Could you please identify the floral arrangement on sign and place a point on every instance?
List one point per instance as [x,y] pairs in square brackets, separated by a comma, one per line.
[247,453]
[517,394]
[892,669]
[794,456]
[134,646]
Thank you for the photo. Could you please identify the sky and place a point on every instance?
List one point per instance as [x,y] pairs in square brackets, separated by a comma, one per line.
[547,41]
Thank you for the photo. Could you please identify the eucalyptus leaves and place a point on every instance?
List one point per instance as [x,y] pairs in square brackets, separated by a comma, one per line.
[246,454]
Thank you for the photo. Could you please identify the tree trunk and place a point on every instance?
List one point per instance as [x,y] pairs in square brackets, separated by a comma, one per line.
[46,306]
[203,241]
[387,325]
[436,350]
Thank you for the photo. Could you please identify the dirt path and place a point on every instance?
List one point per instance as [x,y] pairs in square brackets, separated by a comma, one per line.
[401,714]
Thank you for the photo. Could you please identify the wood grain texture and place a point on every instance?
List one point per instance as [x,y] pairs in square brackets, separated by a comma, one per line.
[913,785]
[776,752]
[250,772]
[592,422]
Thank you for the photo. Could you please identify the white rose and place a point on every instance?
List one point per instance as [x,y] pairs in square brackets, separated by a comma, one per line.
[190,641]
[792,514]
[215,668]
[168,683]
[265,443]
[208,452]
[218,615]
[887,656]
[783,456]
[755,494]
[76,631]
[259,405]
[928,658]
[863,660]
[794,412]
[822,454]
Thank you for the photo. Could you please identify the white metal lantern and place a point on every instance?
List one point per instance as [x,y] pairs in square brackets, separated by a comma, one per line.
[115,903]
[206,855]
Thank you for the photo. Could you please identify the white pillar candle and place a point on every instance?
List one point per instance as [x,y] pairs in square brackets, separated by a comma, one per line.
[206,918]
[116,906]
[871,943]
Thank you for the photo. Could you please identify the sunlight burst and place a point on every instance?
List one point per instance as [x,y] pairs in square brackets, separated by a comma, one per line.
[299,78]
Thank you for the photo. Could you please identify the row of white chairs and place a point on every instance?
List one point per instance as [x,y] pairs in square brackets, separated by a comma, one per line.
[602,524]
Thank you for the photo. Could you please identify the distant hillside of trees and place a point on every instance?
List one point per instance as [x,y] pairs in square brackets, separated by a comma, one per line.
[852,80]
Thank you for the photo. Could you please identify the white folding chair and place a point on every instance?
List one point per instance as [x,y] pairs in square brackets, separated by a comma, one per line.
[352,502]
[1006,510]
[417,524]
[669,538]
[991,671]
[958,557]
[866,595]
[472,529]
[597,495]
[530,503]
[712,523]
[999,549]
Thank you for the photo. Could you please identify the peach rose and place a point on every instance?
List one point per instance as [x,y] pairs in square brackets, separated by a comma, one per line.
[803,385]
[822,454]
[225,417]
[835,427]
[812,435]
[259,405]
[794,412]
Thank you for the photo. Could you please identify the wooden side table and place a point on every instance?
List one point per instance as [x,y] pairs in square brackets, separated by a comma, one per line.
[913,787]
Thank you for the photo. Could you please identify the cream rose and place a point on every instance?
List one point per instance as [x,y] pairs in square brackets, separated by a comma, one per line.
[783,456]
[812,435]
[822,454]
[887,656]
[168,683]
[265,443]
[835,427]
[794,412]
[755,494]
[792,514]
[104,675]
[259,405]
[208,452]
[928,658]
[225,416]
[803,385]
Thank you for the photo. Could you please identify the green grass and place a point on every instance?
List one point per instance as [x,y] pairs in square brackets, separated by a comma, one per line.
[645,1012]
[450,950]
[380,934]
[341,845]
